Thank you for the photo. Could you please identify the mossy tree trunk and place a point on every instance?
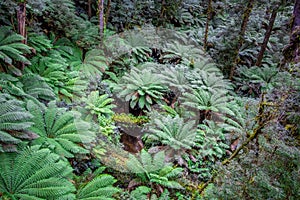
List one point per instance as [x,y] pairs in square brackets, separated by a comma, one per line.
[292,51]
[107,11]
[267,36]
[101,17]
[241,39]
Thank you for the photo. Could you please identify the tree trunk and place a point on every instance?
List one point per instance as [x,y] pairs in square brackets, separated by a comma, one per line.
[267,37]
[296,13]
[162,12]
[107,11]
[21,15]
[209,13]
[246,16]
[101,18]
[292,51]
[89,9]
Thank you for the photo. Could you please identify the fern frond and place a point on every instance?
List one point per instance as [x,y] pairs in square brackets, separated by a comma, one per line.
[140,193]
[134,165]
[40,43]
[58,128]
[174,132]
[212,144]
[53,68]
[186,52]
[99,105]
[141,87]
[11,48]
[35,173]
[98,188]
[15,121]
[36,86]
[93,64]
[255,77]
[209,101]
[175,78]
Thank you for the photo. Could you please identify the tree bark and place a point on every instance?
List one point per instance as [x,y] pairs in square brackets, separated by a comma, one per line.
[21,15]
[241,39]
[107,11]
[296,13]
[209,12]
[162,12]
[292,51]
[101,17]
[89,9]
[267,36]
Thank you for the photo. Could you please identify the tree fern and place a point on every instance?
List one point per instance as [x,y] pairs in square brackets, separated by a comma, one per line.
[206,64]
[59,130]
[29,86]
[15,122]
[100,187]
[175,78]
[208,81]
[35,173]
[36,86]
[212,145]
[238,125]
[142,88]
[173,132]
[39,42]
[154,169]
[256,78]
[140,193]
[136,44]
[208,101]
[99,105]
[11,85]
[187,53]
[53,68]
[92,64]
[11,50]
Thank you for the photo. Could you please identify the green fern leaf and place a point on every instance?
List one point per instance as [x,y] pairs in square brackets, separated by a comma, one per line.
[98,188]
[57,132]
[35,173]
[11,48]
[15,122]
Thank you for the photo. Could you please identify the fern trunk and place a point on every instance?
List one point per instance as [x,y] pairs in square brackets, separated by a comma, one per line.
[267,36]
[209,14]
[241,39]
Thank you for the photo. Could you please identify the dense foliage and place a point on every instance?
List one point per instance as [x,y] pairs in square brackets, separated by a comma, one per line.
[149,99]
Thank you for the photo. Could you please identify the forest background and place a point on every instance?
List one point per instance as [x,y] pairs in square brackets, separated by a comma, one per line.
[149,99]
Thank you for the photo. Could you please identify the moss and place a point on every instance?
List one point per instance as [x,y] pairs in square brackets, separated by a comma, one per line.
[129,118]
